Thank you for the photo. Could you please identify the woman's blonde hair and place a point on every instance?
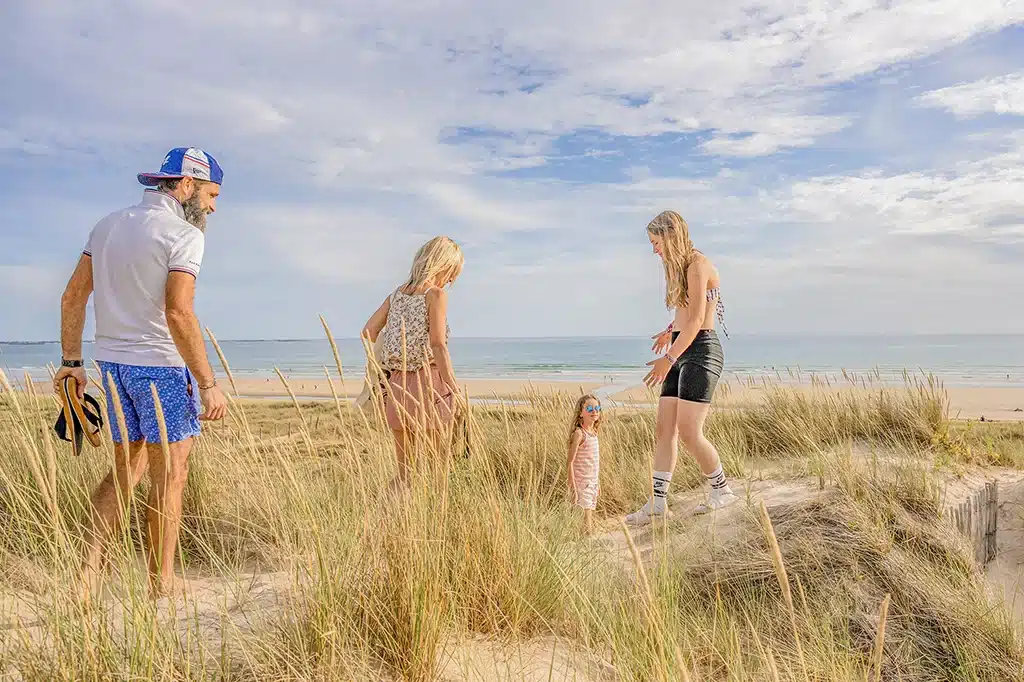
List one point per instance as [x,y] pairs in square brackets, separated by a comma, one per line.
[677,253]
[577,417]
[440,259]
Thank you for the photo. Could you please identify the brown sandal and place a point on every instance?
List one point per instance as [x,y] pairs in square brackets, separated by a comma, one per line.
[83,416]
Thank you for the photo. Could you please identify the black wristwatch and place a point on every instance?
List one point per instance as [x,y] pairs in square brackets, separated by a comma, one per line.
[71,363]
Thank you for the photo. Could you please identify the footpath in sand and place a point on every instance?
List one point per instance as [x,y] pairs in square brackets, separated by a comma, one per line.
[222,611]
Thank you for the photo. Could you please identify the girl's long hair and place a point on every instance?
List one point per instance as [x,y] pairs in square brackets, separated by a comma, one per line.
[677,253]
[577,417]
[438,259]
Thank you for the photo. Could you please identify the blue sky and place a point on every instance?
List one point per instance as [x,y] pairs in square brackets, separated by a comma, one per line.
[851,167]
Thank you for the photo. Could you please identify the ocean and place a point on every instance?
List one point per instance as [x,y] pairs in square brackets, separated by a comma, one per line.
[967,360]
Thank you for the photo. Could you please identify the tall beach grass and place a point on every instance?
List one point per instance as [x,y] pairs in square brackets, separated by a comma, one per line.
[861,582]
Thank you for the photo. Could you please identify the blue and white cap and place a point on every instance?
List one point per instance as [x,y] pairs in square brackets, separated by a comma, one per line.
[184,162]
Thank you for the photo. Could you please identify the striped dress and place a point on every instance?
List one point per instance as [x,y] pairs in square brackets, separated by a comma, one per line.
[585,470]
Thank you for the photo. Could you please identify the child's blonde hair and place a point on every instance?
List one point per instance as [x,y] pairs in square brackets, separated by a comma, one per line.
[577,417]
[440,259]
[677,254]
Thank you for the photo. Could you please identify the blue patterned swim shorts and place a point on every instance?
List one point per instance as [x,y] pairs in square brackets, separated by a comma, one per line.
[179,398]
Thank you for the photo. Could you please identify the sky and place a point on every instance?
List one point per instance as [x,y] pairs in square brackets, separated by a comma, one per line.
[851,167]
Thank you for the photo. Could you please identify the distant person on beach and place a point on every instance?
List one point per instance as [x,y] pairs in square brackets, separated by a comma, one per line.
[584,465]
[421,387]
[689,369]
[142,263]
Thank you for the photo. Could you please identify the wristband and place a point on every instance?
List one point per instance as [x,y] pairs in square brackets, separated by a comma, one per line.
[670,358]
[208,386]
[71,363]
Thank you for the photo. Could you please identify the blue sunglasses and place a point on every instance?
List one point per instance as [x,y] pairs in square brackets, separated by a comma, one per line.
[593,408]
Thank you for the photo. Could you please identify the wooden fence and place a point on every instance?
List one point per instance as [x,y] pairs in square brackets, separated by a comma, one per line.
[977,518]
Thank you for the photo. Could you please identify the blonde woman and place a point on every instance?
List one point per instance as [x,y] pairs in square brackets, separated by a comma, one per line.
[413,325]
[690,367]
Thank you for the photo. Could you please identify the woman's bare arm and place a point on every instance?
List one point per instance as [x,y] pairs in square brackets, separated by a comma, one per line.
[377,321]
[437,317]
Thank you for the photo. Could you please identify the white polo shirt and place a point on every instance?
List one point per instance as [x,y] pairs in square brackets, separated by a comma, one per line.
[132,251]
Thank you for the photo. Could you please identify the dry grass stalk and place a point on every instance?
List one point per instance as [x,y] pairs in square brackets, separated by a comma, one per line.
[772,667]
[334,348]
[165,447]
[880,641]
[780,573]
[335,397]
[303,426]
[489,550]
[223,361]
[650,610]
[32,455]
[12,394]
[236,405]
[122,428]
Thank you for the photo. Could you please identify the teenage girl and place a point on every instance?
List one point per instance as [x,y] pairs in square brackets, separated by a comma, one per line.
[690,367]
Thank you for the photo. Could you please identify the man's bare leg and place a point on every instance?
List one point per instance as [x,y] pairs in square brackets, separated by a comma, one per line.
[167,485]
[108,503]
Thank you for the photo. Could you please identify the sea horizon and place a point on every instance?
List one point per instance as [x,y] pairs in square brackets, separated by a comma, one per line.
[956,359]
[815,335]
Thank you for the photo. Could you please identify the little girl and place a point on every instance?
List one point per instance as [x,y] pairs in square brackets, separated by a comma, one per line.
[585,457]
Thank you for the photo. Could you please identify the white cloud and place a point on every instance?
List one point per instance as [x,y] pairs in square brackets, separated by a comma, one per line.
[371,87]
[967,198]
[462,203]
[767,135]
[1000,95]
[350,132]
[326,245]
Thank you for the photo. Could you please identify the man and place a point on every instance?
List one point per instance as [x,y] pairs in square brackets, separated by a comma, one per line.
[142,263]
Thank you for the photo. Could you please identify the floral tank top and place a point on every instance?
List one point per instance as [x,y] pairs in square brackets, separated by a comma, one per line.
[409,310]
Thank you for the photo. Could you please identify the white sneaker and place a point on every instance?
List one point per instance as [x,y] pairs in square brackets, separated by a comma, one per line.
[645,514]
[717,499]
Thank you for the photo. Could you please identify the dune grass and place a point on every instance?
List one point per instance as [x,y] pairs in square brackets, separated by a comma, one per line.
[485,545]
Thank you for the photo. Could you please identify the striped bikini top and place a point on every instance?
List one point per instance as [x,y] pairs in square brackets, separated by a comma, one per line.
[715,294]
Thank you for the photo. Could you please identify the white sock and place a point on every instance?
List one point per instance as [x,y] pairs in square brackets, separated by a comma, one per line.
[717,479]
[661,480]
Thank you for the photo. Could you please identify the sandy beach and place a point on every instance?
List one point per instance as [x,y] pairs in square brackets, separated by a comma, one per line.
[994,403]
[307,387]
[991,402]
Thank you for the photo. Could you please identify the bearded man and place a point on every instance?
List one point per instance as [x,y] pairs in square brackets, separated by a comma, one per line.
[141,265]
